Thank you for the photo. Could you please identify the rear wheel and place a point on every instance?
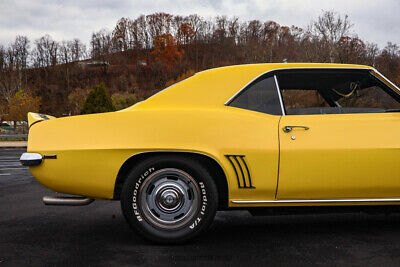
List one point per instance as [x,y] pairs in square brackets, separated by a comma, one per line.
[169,199]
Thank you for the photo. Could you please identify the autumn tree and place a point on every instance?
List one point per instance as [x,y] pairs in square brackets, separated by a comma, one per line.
[166,51]
[185,34]
[98,101]
[3,110]
[22,103]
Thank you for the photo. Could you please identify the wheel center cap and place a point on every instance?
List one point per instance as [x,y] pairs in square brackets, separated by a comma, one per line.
[170,199]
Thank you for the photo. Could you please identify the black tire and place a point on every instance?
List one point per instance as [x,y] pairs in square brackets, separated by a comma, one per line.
[163,186]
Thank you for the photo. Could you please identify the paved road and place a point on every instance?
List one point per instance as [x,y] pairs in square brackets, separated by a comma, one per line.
[32,234]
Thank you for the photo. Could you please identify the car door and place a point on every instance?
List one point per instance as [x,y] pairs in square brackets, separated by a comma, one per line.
[339,137]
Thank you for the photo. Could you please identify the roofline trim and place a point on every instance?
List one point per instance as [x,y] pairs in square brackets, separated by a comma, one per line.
[304,68]
[386,79]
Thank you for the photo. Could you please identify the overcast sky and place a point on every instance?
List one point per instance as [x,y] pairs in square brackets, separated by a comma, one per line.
[374,21]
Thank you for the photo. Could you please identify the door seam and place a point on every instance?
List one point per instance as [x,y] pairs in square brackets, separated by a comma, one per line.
[279,158]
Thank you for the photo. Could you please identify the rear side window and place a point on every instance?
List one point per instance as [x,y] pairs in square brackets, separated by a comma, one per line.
[261,95]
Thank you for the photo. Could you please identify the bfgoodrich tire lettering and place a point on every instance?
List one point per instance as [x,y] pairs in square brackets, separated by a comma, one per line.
[169,199]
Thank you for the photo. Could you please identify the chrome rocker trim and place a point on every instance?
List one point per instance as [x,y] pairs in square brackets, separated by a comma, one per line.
[304,201]
[30,159]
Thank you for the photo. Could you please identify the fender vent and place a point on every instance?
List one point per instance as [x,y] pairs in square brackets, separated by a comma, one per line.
[241,169]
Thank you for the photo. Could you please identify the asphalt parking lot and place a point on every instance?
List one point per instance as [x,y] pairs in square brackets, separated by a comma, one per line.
[32,234]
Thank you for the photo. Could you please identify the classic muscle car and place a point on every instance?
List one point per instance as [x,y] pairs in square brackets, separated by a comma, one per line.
[269,138]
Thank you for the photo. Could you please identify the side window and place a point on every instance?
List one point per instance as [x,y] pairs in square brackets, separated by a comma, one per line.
[369,97]
[261,95]
[335,92]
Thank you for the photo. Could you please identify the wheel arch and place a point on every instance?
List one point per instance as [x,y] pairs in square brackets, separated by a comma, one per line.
[212,165]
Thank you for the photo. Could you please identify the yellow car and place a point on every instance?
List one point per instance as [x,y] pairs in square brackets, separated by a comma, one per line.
[264,137]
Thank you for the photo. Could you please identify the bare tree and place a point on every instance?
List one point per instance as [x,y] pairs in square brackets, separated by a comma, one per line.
[101,44]
[21,50]
[8,79]
[65,55]
[46,52]
[78,50]
[330,28]
[13,64]
[121,36]
[158,24]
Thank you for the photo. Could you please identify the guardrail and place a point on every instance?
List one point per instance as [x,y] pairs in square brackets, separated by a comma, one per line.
[13,136]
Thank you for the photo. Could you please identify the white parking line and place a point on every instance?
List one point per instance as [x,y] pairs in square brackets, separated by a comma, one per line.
[4,174]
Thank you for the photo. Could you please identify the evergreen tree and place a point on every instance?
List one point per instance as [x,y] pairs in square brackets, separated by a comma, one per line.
[98,101]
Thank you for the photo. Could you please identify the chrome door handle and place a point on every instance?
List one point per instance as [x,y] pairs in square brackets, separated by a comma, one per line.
[287,129]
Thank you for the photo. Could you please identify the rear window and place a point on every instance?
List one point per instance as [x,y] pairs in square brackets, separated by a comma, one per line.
[261,95]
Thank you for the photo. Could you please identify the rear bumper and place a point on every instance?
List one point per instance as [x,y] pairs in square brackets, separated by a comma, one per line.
[31,159]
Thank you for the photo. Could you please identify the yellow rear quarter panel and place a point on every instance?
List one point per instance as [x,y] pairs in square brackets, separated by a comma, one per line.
[91,149]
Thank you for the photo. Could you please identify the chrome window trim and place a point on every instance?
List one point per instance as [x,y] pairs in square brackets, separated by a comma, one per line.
[279,95]
[298,68]
[299,201]
[386,79]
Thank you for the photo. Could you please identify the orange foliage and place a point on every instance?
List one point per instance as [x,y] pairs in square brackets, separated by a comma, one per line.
[186,33]
[166,50]
[22,103]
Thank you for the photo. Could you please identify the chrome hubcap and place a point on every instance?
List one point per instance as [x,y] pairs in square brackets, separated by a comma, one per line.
[169,198]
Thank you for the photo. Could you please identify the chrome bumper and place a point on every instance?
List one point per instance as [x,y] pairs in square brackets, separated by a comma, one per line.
[30,159]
